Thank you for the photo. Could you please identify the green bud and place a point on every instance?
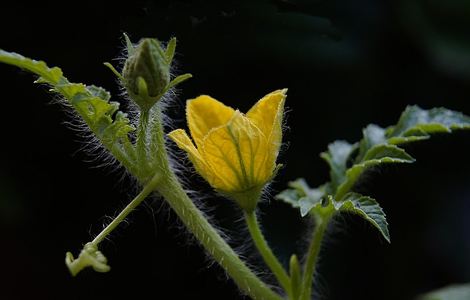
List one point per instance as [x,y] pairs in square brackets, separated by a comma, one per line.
[295,276]
[146,73]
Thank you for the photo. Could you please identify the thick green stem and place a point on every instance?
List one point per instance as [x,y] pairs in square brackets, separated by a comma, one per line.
[269,258]
[312,257]
[195,221]
[193,218]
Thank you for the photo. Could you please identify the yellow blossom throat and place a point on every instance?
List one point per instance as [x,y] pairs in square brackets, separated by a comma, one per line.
[235,152]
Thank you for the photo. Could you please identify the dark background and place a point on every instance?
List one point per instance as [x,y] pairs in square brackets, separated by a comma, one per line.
[346,64]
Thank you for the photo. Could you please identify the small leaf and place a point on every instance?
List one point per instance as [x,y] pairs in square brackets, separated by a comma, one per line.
[397,140]
[377,155]
[290,196]
[368,209]
[337,157]
[372,135]
[383,151]
[418,122]
[301,196]
[452,292]
[357,204]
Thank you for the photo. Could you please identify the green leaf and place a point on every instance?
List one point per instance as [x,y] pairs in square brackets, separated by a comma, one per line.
[378,145]
[384,151]
[357,204]
[416,123]
[91,103]
[372,135]
[453,292]
[337,157]
[373,151]
[368,209]
[47,75]
[301,196]
[377,155]
[407,139]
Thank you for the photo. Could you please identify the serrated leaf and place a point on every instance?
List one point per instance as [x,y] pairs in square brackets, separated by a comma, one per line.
[453,292]
[337,157]
[378,144]
[290,196]
[383,151]
[357,204]
[372,135]
[377,155]
[301,196]
[47,75]
[306,203]
[368,209]
[416,123]
[373,151]
[99,92]
[91,103]
[407,139]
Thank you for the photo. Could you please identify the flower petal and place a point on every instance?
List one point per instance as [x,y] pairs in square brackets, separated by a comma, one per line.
[205,113]
[236,152]
[267,114]
[182,140]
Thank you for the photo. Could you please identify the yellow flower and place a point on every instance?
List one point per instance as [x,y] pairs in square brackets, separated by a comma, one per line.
[234,152]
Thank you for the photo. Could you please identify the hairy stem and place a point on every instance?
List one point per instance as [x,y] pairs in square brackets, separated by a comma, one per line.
[141,141]
[193,218]
[312,256]
[269,258]
[148,188]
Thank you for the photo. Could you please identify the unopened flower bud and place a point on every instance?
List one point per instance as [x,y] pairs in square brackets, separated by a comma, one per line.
[146,73]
